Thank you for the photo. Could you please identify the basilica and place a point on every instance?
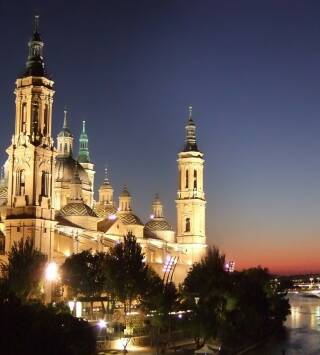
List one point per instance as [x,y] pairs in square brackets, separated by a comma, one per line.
[47,192]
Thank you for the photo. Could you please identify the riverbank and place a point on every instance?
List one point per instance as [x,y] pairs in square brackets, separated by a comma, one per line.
[302,330]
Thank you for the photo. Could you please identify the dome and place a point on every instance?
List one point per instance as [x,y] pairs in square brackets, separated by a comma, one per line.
[158,225]
[125,192]
[65,170]
[65,132]
[103,211]
[77,209]
[3,192]
[129,218]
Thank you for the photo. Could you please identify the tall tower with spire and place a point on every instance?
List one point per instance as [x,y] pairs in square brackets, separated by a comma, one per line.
[190,202]
[84,157]
[32,154]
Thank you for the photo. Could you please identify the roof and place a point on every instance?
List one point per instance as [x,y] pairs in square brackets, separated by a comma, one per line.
[129,218]
[65,132]
[125,192]
[77,209]
[65,167]
[103,211]
[158,225]
[3,192]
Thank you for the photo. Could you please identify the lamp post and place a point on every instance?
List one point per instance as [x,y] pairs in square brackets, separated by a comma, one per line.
[196,301]
[51,275]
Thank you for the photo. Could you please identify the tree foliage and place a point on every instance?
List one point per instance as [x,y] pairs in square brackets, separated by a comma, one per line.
[205,291]
[34,329]
[126,272]
[25,270]
[83,273]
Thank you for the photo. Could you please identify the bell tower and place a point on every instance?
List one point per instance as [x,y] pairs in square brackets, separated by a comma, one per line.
[32,154]
[190,202]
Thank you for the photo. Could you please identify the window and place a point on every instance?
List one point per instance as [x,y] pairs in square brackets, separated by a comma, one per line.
[35,118]
[187,179]
[187,225]
[20,183]
[45,121]
[45,184]
[195,179]
[24,118]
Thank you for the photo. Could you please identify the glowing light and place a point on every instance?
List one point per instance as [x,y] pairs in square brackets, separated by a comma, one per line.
[168,265]
[102,324]
[112,217]
[152,216]
[51,272]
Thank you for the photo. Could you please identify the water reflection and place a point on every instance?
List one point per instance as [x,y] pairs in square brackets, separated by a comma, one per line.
[303,330]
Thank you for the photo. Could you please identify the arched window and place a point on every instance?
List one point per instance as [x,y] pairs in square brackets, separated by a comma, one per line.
[35,118]
[45,121]
[24,118]
[44,184]
[20,183]
[65,148]
[195,179]
[187,179]
[187,225]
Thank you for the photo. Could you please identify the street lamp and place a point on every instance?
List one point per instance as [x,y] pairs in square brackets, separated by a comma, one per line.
[51,275]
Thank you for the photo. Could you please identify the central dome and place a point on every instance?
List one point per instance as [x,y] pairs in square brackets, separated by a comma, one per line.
[65,167]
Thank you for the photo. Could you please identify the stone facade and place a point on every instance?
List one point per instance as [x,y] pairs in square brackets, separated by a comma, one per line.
[48,194]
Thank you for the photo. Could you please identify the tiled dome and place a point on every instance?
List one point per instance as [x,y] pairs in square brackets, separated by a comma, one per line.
[3,192]
[103,211]
[77,209]
[158,225]
[129,218]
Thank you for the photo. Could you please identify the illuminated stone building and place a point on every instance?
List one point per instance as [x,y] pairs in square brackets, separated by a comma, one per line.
[47,193]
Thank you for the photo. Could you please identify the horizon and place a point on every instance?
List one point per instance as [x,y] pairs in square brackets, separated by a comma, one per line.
[131,70]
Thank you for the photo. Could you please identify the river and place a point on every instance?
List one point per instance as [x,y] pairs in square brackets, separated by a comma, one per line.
[303,330]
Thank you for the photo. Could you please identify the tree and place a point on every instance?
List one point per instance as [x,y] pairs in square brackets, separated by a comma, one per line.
[205,291]
[84,275]
[34,329]
[159,300]
[260,307]
[25,270]
[126,271]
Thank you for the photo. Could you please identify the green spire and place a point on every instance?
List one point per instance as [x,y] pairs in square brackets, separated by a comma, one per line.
[35,63]
[84,156]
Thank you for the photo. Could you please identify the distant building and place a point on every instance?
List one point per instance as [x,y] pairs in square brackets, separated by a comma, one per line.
[230,266]
[47,193]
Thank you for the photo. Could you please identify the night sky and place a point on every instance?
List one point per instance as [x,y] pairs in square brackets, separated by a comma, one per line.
[250,69]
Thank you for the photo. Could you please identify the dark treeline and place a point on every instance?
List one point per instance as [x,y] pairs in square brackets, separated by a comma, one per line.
[235,309]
